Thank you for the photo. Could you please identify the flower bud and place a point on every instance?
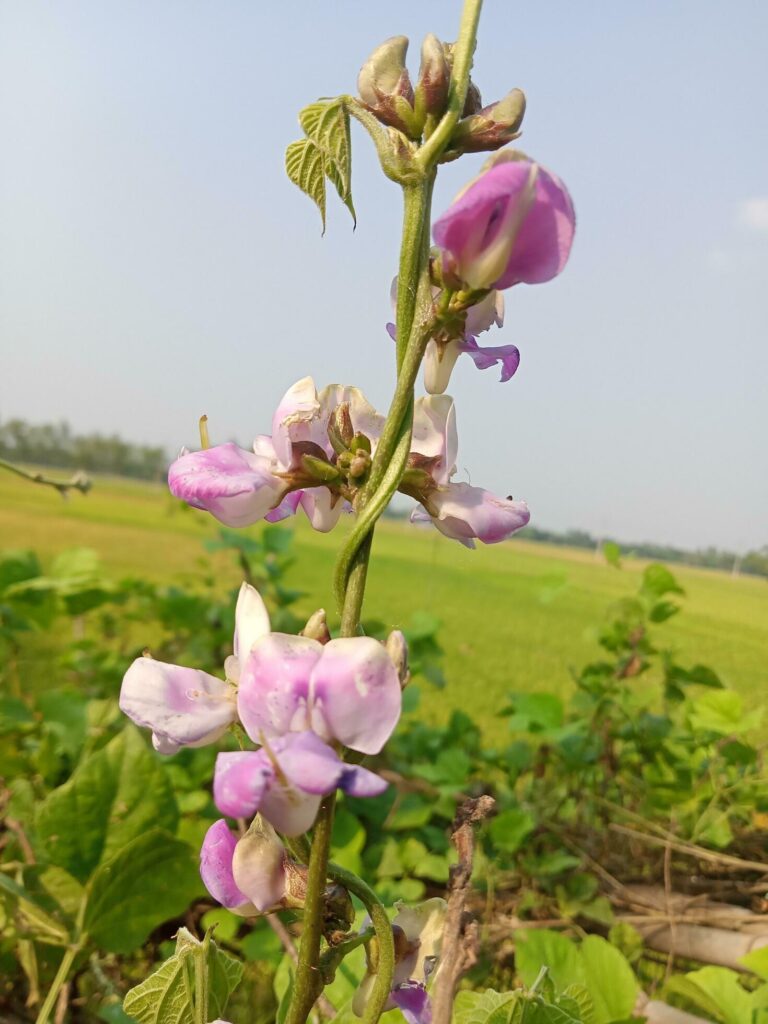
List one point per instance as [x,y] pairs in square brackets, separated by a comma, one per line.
[320,469]
[338,911]
[492,127]
[385,86]
[434,78]
[317,627]
[259,866]
[397,649]
[474,101]
[340,429]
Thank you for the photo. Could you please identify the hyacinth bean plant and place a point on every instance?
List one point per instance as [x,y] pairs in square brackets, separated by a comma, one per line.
[308,709]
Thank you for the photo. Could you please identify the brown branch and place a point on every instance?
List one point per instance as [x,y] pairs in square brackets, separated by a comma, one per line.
[77,482]
[460,935]
[692,850]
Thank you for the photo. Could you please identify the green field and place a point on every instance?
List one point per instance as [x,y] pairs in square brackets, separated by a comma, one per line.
[514,616]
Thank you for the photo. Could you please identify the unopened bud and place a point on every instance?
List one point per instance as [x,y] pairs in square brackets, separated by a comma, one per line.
[434,78]
[360,443]
[359,465]
[319,469]
[317,627]
[340,429]
[493,127]
[474,101]
[259,866]
[416,482]
[338,912]
[397,649]
[385,86]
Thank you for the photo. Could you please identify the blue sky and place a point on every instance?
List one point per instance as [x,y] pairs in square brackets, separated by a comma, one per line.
[155,263]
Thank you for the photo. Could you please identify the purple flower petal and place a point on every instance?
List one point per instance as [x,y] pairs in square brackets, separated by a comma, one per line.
[293,418]
[274,685]
[183,707]
[310,764]
[251,621]
[258,866]
[355,694]
[466,513]
[237,487]
[360,782]
[487,356]
[285,509]
[514,223]
[216,867]
[240,780]
[435,435]
[412,999]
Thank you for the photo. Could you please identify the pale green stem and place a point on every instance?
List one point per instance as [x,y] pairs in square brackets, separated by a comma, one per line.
[60,979]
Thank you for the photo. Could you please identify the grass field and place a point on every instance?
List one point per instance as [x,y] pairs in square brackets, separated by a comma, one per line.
[514,616]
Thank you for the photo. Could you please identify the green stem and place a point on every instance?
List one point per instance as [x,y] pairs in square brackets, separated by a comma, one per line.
[432,150]
[202,980]
[380,921]
[308,981]
[60,979]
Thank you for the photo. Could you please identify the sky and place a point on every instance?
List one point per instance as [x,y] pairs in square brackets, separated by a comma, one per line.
[156,263]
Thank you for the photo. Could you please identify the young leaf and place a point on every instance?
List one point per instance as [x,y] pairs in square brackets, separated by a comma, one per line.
[603,961]
[304,166]
[114,796]
[487,1007]
[150,880]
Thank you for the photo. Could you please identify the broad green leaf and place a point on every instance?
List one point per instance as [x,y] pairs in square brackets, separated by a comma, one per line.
[715,990]
[305,166]
[150,880]
[609,979]
[658,580]
[326,123]
[509,829]
[487,1007]
[536,948]
[114,796]
[722,712]
[166,996]
[580,995]
[757,962]
[18,566]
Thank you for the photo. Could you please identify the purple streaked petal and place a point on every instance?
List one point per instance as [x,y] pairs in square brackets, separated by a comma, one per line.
[360,782]
[274,685]
[251,621]
[291,811]
[412,999]
[489,355]
[509,226]
[216,856]
[308,763]
[465,513]
[391,330]
[239,782]
[184,707]
[285,509]
[237,487]
[355,692]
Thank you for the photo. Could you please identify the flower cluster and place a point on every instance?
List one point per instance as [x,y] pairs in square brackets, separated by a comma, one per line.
[295,697]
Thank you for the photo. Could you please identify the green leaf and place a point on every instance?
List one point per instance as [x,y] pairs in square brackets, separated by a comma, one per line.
[305,167]
[75,562]
[722,712]
[715,991]
[658,580]
[34,918]
[537,948]
[757,962]
[326,123]
[114,796]
[602,961]
[487,1007]
[511,828]
[150,880]
[18,566]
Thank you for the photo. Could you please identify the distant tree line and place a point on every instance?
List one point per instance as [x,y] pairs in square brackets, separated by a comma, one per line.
[54,444]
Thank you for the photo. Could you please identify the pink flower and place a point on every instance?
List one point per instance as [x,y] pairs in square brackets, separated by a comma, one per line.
[245,875]
[286,780]
[347,690]
[512,224]
[239,487]
[458,510]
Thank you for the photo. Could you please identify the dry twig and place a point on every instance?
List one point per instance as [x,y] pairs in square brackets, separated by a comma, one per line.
[460,936]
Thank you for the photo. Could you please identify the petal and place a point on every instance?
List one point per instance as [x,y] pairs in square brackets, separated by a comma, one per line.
[240,780]
[285,509]
[485,357]
[355,692]
[423,923]
[365,419]
[293,418]
[435,435]
[309,764]
[439,362]
[183,707]
[274,685]
[258,866]
[291,811]
[465,512]
[412,999]
[360,782]
[237,487]
[216,856]
[482,316]
[251,621]
[323,508]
